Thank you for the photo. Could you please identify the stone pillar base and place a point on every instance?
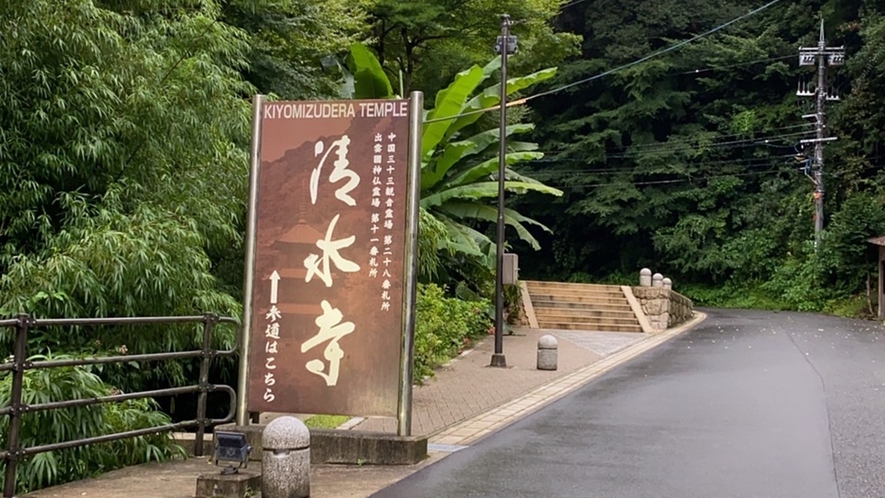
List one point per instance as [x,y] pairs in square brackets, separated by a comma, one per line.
[243,484]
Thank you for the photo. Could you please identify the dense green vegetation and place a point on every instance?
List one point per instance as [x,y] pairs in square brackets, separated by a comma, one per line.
[46,427]
[423,43]
[124,130]
[685,163]
[447,326]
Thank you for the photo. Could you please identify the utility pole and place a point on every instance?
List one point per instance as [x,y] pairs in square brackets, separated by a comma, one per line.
[505,46]
[824,56]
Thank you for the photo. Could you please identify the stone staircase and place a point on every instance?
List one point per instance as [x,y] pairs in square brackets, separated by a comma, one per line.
[581,307]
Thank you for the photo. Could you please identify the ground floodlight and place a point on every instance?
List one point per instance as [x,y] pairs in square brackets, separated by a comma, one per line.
[232,447]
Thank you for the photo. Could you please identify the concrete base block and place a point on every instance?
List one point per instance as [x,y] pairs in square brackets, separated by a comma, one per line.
[243,484]
[329,446]
[372,448]
[547,359]
[253,436]
[187,441]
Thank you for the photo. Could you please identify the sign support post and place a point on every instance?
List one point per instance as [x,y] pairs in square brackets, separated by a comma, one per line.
[249,273]
[410,278]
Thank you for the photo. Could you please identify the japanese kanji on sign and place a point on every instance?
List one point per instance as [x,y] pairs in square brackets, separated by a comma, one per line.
[329,269]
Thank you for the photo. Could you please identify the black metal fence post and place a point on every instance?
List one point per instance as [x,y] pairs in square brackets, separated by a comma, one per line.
[20,356]
[14,452]
[209,321]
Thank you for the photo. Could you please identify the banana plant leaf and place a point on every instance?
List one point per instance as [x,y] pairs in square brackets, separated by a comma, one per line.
[462,239]
[370,80]
[491,96]
[483,212]
[449,103]
[490,166]
[454,152]
[484,190]
[514,176]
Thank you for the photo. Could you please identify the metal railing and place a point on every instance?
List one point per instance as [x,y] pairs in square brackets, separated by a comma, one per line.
[20,364]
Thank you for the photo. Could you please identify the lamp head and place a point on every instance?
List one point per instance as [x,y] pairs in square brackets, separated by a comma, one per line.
[232,447]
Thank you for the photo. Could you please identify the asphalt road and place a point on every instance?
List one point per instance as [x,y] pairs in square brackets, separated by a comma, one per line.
[747,405]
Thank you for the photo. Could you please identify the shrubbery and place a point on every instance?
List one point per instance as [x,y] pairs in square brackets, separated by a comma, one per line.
[836,277]
[444,326]
[46,427]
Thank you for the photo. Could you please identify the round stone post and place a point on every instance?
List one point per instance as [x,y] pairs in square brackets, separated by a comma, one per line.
[645,277]
[548,353]
[657,280]
[285,464]
[668,284]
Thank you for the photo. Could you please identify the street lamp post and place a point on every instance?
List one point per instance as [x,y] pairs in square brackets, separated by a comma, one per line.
[505,46]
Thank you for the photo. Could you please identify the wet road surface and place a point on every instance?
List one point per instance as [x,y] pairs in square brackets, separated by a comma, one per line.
[747,405]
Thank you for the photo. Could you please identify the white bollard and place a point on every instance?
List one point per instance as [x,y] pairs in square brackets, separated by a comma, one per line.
[548,353]
[668,284]
[285,464]
[657,280]
[645,277]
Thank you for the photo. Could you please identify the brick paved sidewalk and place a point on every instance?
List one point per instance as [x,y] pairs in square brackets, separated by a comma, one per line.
[468,386]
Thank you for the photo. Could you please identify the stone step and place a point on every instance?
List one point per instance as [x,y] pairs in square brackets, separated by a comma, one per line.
[576,292]
[545,313]
[591,319]
[545,298]
[576,295]
[591,326]
[552,305]
[538,284]
[569,306]
[575,288]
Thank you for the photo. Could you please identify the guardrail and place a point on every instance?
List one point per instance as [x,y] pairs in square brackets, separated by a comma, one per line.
[20,364]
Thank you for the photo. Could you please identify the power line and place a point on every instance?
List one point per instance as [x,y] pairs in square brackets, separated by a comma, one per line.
[746,162]
[652,55]
[697,138]
[689,147]
[616,69]
[750,163]
[668,182]
[672,147]
[739,64]
[692,139]
[676,180]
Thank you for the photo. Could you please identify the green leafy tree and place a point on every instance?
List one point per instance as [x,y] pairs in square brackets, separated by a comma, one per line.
[660,163]
[459,161]
[685,162]
[123,160]
[292,43]
[460,165]
[429,41]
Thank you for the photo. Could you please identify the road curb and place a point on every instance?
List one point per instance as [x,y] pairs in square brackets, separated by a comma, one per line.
[471,430]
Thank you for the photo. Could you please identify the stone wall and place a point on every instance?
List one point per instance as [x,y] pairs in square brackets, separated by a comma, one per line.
[521,317]
[681,309]
[664,308]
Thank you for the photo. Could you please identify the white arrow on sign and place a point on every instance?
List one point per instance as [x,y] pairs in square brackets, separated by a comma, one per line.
[274,286]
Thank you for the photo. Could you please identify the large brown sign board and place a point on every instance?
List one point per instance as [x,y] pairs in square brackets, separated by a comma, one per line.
[327,299]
